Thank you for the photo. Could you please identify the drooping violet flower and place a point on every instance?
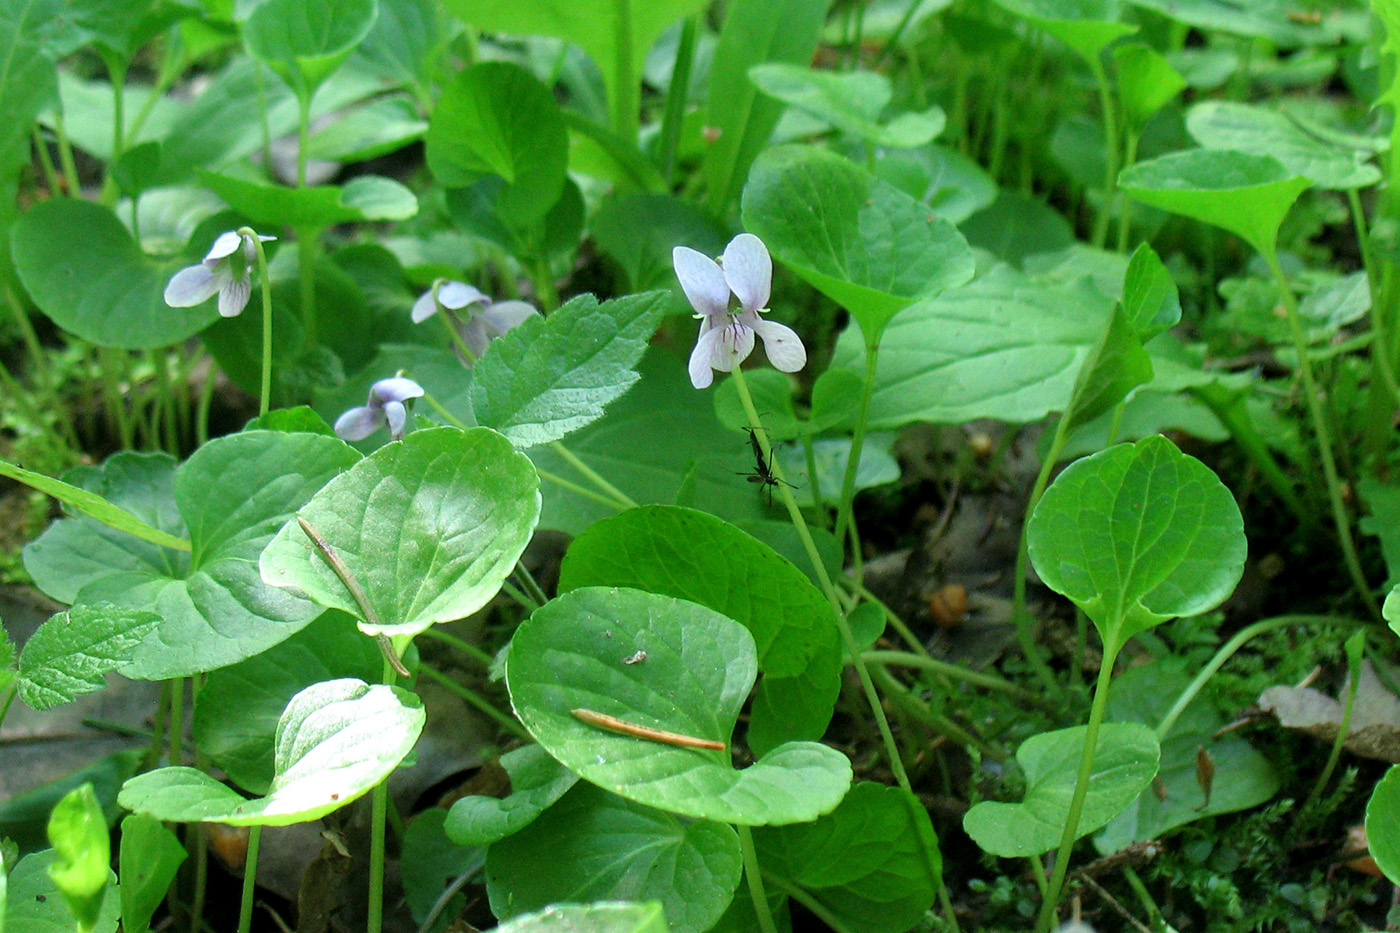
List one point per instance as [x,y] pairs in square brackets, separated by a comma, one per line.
[726,336]
[476,318]
[385,406]
[225,271]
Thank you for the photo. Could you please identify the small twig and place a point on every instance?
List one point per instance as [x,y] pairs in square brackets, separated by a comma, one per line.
[357,592]
[612,723]
[1117,907]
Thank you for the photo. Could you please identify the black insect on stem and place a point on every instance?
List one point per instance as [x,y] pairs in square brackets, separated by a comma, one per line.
[763,467]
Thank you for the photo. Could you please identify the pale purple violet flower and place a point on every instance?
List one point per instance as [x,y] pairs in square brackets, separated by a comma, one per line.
[477,319]
[726,337]
[385,406]
[225,271]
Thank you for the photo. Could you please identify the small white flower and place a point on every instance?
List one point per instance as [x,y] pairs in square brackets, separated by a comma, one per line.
[385,406]
[477,319]
[225,271]
[727,337]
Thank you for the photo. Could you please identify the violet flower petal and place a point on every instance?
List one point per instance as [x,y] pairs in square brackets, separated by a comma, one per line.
[192,285]
[701,374]
[397,416]
[504,315]
[233,296]
[748,269]
[457,295]
[394,389]
[780,342]
[702,280]
[356,424]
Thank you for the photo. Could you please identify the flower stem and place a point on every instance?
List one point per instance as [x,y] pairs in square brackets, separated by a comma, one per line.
[1227,650]
[848,483]
[1081,787]
[755,879]
[265,390]
[250,880]
[591,475]
[1324,438]
[476,700]
[1025,632]
[805,534]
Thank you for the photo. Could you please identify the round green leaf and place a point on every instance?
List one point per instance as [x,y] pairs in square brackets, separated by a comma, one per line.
[1136,535]
[536,782]
[1087,26]
[1001,347]
[1125,761]
[1219,124]
[305,40]
[850,101]
[696,671]
[1244,778]
[35,905]
[860,241]
[232,495]
[366,198]
[591,918]
[872,861]
[1246,194]
[1146,82]
[1383,824]
[429,526]
[239,706]
[496,120]
[695,556]
[108,292]
[602,847]
[335,741]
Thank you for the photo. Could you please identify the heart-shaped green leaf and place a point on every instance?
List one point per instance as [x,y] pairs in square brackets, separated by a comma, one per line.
[850,101]
[429,526]
[872,862]
[603,847]
[1248,195]
[1146,82]
[604,917]
[1383,823]
[401,43]
[1220,124]
[1087,26]
[536,782]
[553,375]
[615,33]
[1150,298]
[72,653]
[498,121]
[108,292]
[860,241]
[1138,534]
[364,198]
[233,494]
[660,663]
[1125,761]
[83,847]
[239,706]
[335,741]
[696,556]
[305,40]
[1001,347]
[1116,365]
[150,856]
